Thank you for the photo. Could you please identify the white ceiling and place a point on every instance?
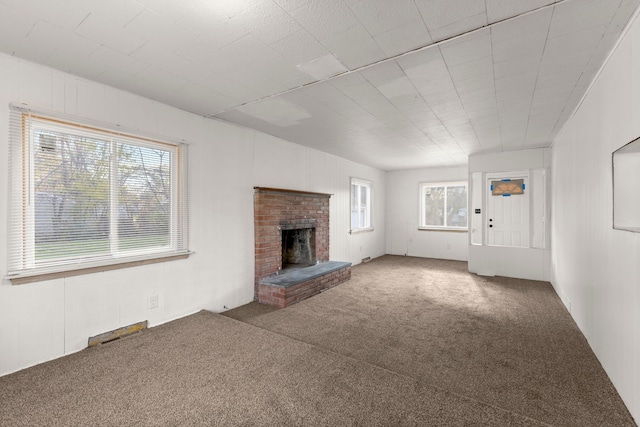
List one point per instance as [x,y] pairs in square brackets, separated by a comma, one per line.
[394,84]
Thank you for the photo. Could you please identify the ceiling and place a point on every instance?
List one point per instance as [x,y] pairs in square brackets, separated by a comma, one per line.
[394,84]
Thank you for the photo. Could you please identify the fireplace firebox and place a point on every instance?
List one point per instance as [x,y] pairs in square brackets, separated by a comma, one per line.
[298,248]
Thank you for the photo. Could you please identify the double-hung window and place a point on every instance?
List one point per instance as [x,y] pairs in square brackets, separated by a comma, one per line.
[361,199]
[443,206]
[83,197]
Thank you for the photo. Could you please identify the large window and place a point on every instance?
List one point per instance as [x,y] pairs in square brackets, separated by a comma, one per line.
[85,197]
[443,206]
[361,198]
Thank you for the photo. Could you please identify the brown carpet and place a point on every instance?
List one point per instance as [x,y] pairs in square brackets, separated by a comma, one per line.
[407,341]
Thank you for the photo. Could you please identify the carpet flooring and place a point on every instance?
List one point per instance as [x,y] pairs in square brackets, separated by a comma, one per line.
[407,341]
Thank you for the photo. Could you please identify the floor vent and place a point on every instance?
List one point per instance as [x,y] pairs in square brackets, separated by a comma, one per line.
[110,336]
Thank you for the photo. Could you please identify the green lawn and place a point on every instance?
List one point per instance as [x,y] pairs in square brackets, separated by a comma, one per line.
[76,248]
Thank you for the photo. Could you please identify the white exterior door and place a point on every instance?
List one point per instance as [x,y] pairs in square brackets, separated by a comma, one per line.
[508,211]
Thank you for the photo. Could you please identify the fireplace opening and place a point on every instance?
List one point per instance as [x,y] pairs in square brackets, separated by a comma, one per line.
[298,248]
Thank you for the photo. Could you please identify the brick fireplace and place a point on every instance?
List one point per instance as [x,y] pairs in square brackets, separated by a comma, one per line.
[292,246]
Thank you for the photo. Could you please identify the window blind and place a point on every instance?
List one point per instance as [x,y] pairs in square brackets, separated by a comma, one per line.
[82,195]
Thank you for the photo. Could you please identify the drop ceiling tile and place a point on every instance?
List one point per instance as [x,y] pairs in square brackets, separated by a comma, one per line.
[514,94]
[77,65]
[514,104]
[161,80]
[383,110]
[467,48]
[444,96]
[498,10]
[379,16]
[518,65]
[551,92]
[299,47]
[268,21]
[399,87]
[403,39]
[472,69]
[62,14]
[218,83]
[542,104]
[170,9]
[325,19]
[515,81]
[480,112]
[117,12]
[228,9]
[624,12]
[162,31]
[33,52]
[347,80]
[517,48]
[410,104]
[44,34]
[116,38]
[481,95]
[324,93]
[15,30]
[434,89]
[383,73]
[446,18]
[483,81]
[290,5]
[360,92]
[157,57]
[449,110]
[534,26]
[256,81]
[579,41]
[567,79]
[354,47]
[571,17]
[572,61]
[123,80]
[489,113]
[117,60]
[424,63]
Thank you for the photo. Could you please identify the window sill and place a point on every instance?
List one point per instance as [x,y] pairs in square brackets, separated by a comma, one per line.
[70,271]
[450,230]
[361,230]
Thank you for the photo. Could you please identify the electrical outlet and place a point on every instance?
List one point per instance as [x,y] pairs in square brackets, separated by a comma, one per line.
[153,301]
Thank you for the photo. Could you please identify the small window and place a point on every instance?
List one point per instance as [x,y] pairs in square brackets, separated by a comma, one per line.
[84,197]
[626,197]
[443,206]
[361,198]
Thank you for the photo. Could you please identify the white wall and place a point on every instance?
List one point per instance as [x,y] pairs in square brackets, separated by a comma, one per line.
[594,268]
[45,320]
[403,212]
[530,262]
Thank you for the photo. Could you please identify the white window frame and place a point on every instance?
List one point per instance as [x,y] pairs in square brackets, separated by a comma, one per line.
[421,219]
[23,267]
[368,209]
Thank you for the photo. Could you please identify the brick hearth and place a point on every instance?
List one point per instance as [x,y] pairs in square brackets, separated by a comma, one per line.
[278,209]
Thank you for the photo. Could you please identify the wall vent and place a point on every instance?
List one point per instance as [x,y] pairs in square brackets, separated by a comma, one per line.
[117,333]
